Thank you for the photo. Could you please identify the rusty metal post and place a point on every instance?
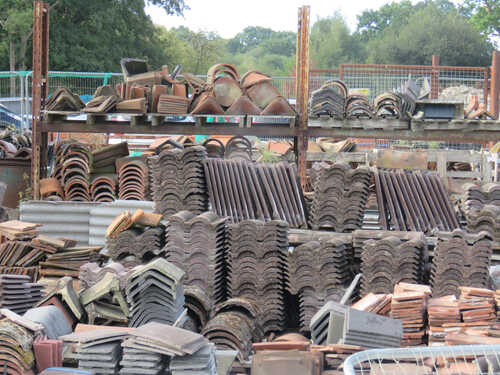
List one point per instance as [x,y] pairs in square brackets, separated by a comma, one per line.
[486,85]
[39,92]
[341,72]
[495,84]
[303,91]
[435,77]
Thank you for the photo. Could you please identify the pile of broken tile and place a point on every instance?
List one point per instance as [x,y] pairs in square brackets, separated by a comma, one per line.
[340,195]
[179,181]
[389,261]
[257,267]
[197,244]
[318,272]
[244,190]
[460,259]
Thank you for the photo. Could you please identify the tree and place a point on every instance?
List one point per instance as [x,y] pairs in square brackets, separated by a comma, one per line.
[171,6]
[484,16]
[430,31]
[250,37]
[332,43]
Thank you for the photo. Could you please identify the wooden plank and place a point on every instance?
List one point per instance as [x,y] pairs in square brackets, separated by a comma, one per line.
[360,123]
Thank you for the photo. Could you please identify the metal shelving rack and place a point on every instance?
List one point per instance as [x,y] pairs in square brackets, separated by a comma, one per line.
[300,128]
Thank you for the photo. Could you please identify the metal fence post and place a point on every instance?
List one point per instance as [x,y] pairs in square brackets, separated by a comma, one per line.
[435,77]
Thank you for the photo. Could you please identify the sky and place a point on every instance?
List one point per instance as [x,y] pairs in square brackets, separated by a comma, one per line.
[229,17]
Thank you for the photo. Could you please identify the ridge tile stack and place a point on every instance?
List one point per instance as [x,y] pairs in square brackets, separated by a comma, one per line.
[485,219]
[18,294]
[173,104]
[179,181]
[155,293]
[234,325]
[136,245]
[357,107]
[389,261]
[329,100]
[338,324]
[257,265]
[100,358]
[318,272]
[442,311]
[200,363]
[477,305]
[409,305]
[133,179]
[475,197]
[197,245]
[103,188]
[460,259]
[72,170]
[16,343]
[340,195]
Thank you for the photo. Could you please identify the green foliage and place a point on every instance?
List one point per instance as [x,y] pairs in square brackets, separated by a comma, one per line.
[332,43]
[431,30]
[484,15]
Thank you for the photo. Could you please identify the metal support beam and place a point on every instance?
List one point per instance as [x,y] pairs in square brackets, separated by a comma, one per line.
[39,91]
[303,90]
[495,84]
[435,77]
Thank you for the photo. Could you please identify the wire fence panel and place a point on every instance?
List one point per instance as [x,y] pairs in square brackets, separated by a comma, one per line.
[436,360]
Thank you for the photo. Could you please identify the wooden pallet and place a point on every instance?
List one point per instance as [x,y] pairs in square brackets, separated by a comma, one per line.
[366,124]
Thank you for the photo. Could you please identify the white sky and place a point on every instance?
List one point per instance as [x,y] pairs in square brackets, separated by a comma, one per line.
[229,17]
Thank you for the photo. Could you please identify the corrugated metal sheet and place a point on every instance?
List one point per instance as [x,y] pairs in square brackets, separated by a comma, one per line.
[83,222]
[103,214]
[60,219]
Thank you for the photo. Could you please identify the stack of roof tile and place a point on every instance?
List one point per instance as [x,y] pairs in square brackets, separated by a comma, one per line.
[67,261]
[235,323]
[390,261]
[497,303]
[179,181]
[409,303]
[388,105]
[136,245]
[338,324]
[18,294]
[485,219]
[197,245]
[91,273]
[155,293]
[133,181]
[318,273]
[100,358]
[173,104]
[415,201]
[140,361]
[340,195]
[358,106]
[198,306]
[329,100]
[477,305]
[17,349]
[72,170]
[258,268]
[475,197]
[375,303]
[460,259]
[200,363]
[103,188]
[64,100]
[442,311]
[18,230]
[244,190]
